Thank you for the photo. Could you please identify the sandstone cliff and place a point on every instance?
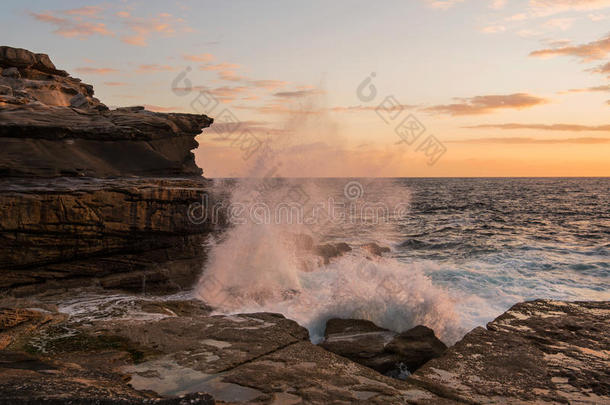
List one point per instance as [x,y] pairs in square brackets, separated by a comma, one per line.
[89,193]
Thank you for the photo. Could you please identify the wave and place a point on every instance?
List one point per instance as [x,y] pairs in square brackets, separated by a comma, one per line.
[264,267]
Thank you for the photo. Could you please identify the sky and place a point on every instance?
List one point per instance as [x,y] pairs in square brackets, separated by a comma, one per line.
[411,88]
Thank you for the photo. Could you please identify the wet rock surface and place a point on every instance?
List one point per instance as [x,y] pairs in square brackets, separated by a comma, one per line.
[543,352]
[244,358]
[140,350]
[382,350]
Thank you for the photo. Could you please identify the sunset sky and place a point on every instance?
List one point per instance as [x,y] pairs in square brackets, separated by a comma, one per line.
[506,87]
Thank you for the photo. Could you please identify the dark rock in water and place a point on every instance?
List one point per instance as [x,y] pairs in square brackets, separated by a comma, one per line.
[416,346]
[331,250]
[375,249]
[536,352]
[303,242]
[380,349]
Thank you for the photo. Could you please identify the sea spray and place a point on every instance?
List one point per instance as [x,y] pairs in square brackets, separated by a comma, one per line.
[259,264]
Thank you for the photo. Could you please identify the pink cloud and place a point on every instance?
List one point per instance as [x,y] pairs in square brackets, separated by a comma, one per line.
[96,71]
[156,68]
[73,28]
[488,104]
[594,50]
[202,57]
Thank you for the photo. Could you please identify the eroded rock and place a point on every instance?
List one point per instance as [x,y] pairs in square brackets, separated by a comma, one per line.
[537,352]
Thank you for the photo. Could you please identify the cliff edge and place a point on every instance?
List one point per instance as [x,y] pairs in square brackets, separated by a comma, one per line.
[89,194]
[51,125]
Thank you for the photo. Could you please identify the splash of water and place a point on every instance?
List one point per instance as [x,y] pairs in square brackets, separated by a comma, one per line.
[259,266]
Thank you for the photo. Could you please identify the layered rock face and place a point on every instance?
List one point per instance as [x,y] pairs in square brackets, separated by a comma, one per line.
[88,192]
[51,125]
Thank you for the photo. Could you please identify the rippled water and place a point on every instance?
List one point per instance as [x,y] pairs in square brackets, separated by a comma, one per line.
[499,241]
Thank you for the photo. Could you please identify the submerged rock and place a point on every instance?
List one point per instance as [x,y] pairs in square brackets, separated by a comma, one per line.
[375,249]
[331,250]
[380,349]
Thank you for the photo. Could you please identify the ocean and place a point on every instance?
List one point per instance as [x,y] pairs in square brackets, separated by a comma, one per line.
[462,250]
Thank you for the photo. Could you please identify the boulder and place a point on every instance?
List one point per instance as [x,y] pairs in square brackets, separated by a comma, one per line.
[375,249]
[360,341]
[416,346]
[331,250]
[380,349]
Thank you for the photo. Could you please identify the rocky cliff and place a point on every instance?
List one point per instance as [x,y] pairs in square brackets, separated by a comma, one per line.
[93,194]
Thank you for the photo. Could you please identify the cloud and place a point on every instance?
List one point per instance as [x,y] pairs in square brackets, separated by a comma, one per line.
[230,75]
[602,69]
[260,127]
[587,52]
[359,108]
[549,7]
[488,104]
[157,108]
[142,28]
[562,24]
[268,84]
[298,93]
[544,127]
[225,71]
[493,29]
[595,89]
[202,57]
[219,66]
[156,68]
[281,109]
[498,4]
[443,4]
[516,141]
[114,84]
[73,27]
[85,11]
[96,71]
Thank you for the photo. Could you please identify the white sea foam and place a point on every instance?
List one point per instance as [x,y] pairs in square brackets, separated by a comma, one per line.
[261,267]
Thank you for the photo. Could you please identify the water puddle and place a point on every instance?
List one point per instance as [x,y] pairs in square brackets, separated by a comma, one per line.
[168,378]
